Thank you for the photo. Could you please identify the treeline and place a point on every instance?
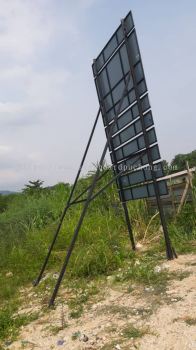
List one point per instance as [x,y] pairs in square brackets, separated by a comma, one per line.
[179,162]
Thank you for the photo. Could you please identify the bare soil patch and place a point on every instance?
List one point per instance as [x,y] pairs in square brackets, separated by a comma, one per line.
[121,316]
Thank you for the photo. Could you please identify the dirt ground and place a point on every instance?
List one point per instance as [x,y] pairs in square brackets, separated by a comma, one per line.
[124,317]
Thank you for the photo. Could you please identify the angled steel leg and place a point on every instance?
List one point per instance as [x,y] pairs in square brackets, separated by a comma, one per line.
[88,200]
[36,282]
[73,241]
[75,200]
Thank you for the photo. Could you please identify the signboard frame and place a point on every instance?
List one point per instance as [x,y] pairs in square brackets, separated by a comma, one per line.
[142,157]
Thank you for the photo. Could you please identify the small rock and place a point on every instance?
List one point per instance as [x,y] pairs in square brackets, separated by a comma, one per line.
[170,291]
[149,289]
[84,338]
[60,342]
[9,274]
[8,343]
[100,326]
[173,300]
[157,269]
[117,347]
[47,275]
[24,342]
[139,246]
[137,262]
[110,278]
[165,266]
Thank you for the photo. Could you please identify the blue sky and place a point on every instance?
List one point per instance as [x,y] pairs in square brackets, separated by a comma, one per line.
[48,100]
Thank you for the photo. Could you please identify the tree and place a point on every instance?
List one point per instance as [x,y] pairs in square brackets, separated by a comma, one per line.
[33,187]
[165,167]
[3,203]
[179,161]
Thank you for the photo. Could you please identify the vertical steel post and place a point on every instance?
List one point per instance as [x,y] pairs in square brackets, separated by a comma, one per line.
[169,250]
[119,182]
[36,282]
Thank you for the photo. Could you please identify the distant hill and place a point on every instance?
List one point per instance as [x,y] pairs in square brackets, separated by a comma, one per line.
[6,192]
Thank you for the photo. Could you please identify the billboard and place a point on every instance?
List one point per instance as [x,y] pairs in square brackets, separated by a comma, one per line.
[127,116]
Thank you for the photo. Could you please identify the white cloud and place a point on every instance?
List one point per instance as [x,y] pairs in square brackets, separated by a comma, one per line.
[40,91]
[27,26]
[45,87]
[22,28]
[26,30]
[14,72]
[42,87]
[10,107]
[87,3]
[35,156]
[4,149]
[19,114]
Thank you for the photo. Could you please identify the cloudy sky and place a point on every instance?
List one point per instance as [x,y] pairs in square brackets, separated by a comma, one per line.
[48,100]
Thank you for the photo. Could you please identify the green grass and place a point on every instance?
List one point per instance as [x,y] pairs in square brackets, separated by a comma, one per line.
[76,335]
[10,322]
[56,329]
[127,333]
[141,269]
[130,332]
[190,321]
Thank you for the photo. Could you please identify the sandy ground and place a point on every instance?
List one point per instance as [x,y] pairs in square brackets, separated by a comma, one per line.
[166,320]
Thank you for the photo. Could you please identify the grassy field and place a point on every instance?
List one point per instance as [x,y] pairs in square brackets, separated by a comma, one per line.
[27,223]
